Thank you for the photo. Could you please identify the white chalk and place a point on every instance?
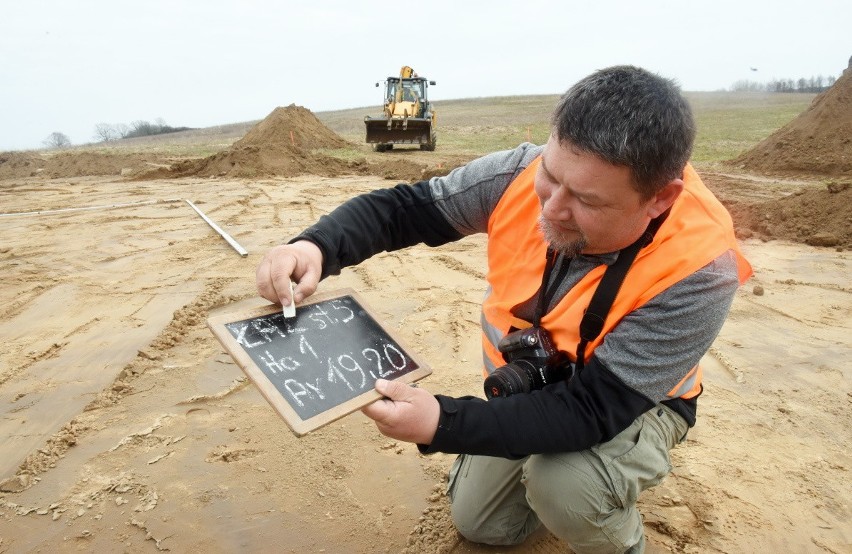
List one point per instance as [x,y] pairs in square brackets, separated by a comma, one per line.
[290,310]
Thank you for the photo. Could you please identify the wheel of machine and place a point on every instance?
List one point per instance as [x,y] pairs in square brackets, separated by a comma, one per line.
[379,147]
[430,146]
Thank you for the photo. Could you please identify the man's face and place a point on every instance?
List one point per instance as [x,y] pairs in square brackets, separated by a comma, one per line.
[588,205]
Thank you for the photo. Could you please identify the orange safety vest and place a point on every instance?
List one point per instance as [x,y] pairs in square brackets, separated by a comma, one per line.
[696,232]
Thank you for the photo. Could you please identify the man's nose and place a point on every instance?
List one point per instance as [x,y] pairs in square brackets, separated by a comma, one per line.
[555,206]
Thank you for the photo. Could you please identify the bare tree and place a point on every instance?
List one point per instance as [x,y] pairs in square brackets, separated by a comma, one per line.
[812,84]
[57,140]
[141,128]
[746,85]
[104,132]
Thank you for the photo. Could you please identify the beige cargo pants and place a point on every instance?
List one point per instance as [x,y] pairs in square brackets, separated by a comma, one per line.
[588,498]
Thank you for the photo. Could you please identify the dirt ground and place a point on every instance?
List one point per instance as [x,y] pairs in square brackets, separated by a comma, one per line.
[126,427]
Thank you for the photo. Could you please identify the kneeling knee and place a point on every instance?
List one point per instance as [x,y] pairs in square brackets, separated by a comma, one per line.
[495,531]
[578,508]
[563,497]
[554,486]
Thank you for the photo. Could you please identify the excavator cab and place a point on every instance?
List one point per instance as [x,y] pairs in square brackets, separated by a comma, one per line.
[407,118]
[412,90]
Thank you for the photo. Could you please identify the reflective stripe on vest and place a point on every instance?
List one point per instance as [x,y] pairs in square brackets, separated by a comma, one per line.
[689,386]
[697,231]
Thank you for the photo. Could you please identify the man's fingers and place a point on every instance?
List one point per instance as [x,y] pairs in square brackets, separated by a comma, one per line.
[300,262]
[307,284]
[384,408]
[263,281]
[394,390]
[379,410]
[274,273]
[280,273]
[406,413]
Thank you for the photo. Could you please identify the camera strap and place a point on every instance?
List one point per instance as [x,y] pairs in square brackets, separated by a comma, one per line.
[593,319]
[546,292]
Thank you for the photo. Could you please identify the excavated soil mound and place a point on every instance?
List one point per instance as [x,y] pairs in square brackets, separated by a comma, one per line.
[285,144]
[282,145]
[818,141]
[819,217]
[16,165]
[406,171]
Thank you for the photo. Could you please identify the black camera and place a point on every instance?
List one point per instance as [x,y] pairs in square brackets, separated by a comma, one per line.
[533,362]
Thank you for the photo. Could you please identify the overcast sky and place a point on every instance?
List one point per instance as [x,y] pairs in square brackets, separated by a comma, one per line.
[68,65]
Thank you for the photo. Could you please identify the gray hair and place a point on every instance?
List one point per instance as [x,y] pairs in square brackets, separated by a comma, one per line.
[630,117]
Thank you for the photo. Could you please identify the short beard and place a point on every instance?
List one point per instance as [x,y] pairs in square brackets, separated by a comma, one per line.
[566,247]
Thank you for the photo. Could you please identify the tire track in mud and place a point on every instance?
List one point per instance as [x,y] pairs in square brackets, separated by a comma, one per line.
[366,277]
[825,286]
[189,316]
[30,358]
[774,310]
[20,353]
[726,362]
[23,300]
[459,266]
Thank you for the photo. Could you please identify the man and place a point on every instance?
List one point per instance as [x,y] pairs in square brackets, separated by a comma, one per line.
[612,183]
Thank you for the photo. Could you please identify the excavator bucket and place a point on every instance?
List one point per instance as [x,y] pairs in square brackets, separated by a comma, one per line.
[413,130]
[408,116]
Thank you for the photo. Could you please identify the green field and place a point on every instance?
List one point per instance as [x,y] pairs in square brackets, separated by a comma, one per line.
[729,123]
[732,123]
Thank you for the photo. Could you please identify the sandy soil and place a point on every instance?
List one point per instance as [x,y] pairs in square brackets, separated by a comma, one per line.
[126,426]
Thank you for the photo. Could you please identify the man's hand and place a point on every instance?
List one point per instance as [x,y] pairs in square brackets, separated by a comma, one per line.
[300,262]
[406,413]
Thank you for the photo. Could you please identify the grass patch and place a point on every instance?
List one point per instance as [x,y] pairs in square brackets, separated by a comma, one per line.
[732,123]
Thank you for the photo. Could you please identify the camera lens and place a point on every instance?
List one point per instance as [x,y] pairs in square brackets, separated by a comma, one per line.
[509,379]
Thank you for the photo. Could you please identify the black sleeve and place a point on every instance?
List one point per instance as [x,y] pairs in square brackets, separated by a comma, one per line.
[591,408]
[385,219]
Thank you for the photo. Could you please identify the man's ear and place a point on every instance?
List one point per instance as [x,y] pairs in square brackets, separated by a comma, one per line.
[665,197]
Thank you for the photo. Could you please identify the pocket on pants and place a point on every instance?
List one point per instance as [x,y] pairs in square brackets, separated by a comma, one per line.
[634,460]
[459,467]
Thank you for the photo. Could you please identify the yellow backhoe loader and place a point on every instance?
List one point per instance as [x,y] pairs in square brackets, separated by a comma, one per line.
[407,118]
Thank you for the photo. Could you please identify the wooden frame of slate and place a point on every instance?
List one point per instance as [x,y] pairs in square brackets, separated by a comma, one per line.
[321,365]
